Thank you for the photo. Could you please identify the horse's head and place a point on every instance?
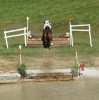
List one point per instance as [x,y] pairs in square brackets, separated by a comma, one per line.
[47,32]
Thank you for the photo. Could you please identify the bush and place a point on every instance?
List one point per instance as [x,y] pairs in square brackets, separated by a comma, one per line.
[22,70]
[75,69]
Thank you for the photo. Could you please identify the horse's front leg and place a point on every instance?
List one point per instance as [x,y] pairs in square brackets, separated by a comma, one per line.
[45,42]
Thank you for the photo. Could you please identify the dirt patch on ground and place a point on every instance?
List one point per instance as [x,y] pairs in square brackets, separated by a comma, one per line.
[95,61]
[10,63]
[7,64]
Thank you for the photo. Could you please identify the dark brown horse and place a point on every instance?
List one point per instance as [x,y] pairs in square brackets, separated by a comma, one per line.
[47,37]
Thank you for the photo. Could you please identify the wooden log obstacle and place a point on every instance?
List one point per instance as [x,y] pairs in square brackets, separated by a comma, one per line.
[56,42]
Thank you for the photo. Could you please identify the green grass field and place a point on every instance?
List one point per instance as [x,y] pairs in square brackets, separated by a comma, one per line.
[13,15]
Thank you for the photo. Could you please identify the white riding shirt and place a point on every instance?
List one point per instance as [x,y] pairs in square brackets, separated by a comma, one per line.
[47,23]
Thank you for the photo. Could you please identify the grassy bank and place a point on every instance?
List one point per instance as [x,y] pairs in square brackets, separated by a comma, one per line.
[13,15]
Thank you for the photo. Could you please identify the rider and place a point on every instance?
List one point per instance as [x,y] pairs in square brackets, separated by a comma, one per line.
[47,23]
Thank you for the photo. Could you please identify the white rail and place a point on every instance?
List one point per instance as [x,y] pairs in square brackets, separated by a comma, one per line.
[80,25]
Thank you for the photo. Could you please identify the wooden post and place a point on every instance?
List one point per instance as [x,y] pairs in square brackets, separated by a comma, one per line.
[20,52]
[6,39]
[27,27]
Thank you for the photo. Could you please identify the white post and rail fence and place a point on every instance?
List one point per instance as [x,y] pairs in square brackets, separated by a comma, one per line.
[6,36]
[25,32]
[76,28]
